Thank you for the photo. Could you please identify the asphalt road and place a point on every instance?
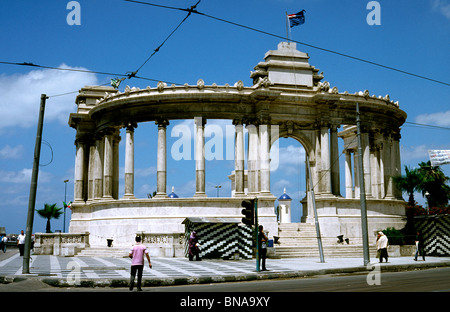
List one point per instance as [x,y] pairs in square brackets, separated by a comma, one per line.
[427,280]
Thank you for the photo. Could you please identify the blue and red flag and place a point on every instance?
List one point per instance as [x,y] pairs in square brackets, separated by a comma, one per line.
[297,18]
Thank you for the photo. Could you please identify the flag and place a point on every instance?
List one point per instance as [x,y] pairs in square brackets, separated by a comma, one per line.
[115,83]
[439,157]
[297,19]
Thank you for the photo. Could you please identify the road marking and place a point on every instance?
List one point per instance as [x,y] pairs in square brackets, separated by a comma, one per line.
[54,266]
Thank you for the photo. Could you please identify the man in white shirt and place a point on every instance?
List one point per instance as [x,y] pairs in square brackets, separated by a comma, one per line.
[21,242]
[382,244]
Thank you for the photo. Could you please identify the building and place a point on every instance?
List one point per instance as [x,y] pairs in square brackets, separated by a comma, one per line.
[287,99]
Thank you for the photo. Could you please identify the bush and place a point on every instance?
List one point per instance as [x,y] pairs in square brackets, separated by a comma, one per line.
[394,236]
[418,210]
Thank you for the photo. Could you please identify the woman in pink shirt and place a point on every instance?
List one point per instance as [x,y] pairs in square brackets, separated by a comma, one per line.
[137,262]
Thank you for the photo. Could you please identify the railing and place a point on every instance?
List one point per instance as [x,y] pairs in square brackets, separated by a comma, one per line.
[164,244]
[60,244]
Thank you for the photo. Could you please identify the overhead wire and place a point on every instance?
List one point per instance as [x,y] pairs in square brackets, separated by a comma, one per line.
[296,41]
[128,75]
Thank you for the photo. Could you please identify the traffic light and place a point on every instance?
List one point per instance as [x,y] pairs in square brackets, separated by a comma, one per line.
[248,212]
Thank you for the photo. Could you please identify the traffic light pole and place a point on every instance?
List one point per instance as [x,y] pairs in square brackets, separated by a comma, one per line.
[257,235]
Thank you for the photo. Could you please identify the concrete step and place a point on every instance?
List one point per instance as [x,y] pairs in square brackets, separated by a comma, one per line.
[313,251]
[115,252]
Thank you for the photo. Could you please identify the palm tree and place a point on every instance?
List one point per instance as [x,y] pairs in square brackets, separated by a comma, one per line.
[409,183]
[433,181]
[49,212]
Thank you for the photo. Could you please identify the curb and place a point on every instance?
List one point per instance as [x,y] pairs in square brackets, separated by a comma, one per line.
[176,281]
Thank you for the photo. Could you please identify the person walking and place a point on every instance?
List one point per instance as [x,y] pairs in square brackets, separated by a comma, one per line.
[419,246]
[382,244]
[2,244]
[262,238]
[5,241]
[21,242]
[194,247]
[136,254]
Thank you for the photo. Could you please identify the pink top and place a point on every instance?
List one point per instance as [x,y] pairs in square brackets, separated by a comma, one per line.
[137,253]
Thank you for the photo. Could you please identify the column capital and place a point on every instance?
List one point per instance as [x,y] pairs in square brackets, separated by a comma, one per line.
[130,126]
[238,121]
[162,122]
[200,121]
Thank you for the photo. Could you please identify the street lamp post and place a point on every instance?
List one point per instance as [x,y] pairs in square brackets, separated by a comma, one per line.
[427,195]
[218,187]
[65,205]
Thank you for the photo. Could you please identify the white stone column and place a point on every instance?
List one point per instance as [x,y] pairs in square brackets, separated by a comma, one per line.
[264,159]
[200,157]
[375,172]
[381,160]
[348,174]
[79,171]
[239,159]
[357,191]
[91,171]
[325,174]
[161,165]
[252,159]
[116,164]
[366,163]
[334,158]
[98,167]
[387,161]
[129,162]
[396,167]
[108,167]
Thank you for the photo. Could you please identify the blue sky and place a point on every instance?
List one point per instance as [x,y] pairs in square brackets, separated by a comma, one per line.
[116,36]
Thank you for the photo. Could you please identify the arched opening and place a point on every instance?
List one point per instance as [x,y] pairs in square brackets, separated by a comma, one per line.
[288,173]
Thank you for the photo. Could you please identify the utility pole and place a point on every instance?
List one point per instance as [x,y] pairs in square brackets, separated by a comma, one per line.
[33,187]
[362,191]
[316,218]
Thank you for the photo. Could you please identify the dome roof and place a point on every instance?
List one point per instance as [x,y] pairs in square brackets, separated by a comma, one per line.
[173,195]
[285,196]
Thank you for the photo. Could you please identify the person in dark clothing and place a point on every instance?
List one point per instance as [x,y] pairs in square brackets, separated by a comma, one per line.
[419,246]
[262,238]
[194,247]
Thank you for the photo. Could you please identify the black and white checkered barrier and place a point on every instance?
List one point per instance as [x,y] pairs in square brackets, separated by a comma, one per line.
[436,233]
[220,240]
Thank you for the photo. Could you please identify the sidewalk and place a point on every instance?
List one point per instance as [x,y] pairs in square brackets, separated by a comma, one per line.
[114,272]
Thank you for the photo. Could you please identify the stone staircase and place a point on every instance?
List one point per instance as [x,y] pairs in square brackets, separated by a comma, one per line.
[298,240]
[114,252]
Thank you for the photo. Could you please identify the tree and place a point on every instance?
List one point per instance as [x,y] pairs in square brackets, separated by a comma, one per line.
[409,183]
[433,181]
[49,212]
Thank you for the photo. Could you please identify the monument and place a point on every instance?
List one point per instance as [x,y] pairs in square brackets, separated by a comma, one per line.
[287,95]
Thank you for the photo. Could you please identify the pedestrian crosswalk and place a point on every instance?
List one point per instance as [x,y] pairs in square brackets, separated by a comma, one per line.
[119,268]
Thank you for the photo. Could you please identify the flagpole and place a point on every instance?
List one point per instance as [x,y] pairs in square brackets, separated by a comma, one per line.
[287,27]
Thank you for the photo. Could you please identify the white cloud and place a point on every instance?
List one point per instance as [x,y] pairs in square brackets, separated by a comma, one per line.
[442,6]
[21,93]
[441,119]
[288,159]
[414,153]
[145,172]
[23,176]
[11,152]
